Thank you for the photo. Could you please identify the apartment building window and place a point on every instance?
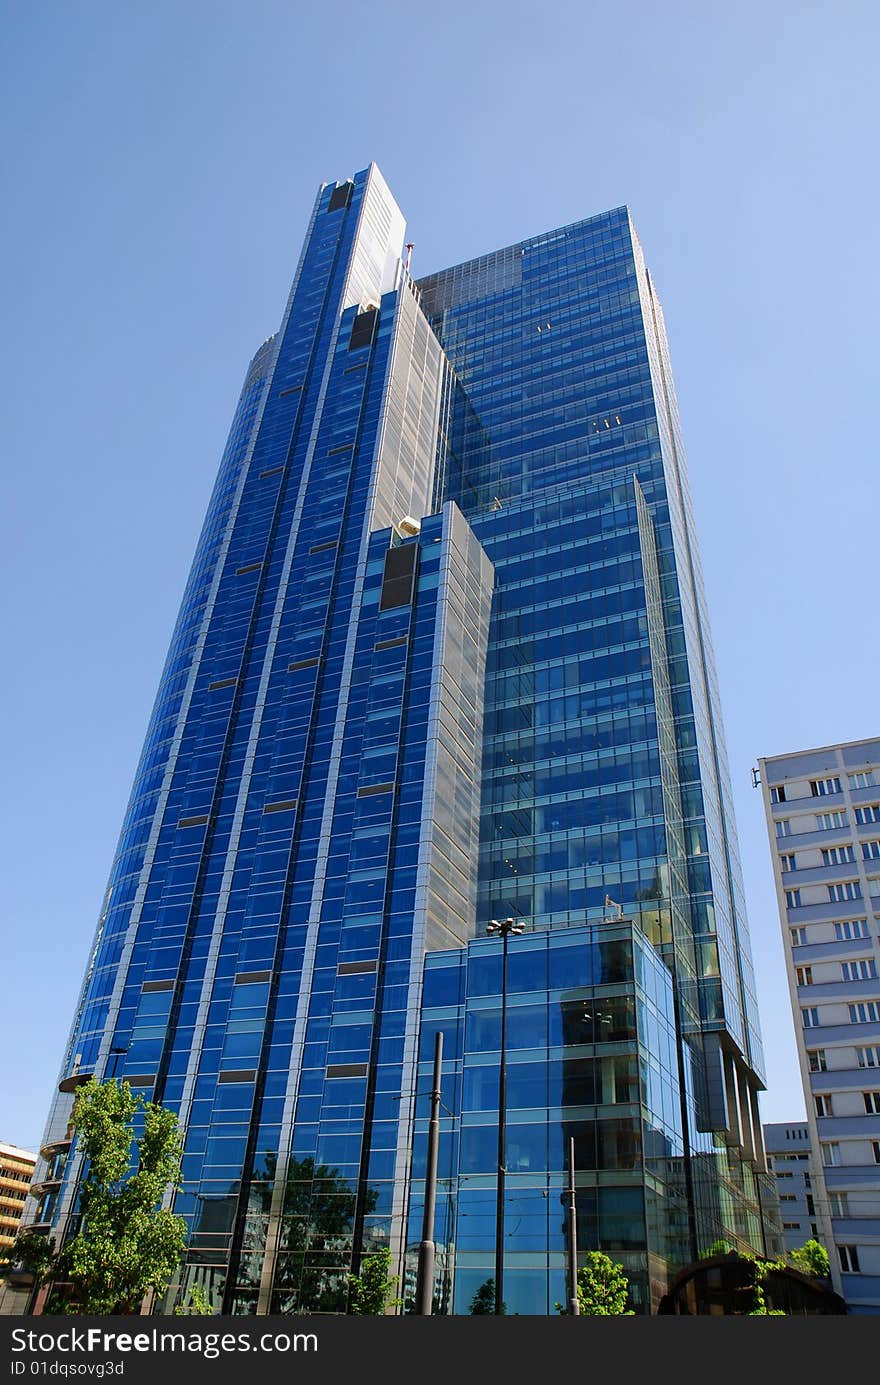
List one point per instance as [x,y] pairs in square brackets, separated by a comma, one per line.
[830,1154]
[875,1146]
[788,1197]
[864,1012]
[866,812]
[861,779]
[804,976]
[874,886]
[798,936]
[839,1204]
[783,827]
[793,899]
[777,793]
[820,787]
[810,1017]
[838,855]
[849,1259]
[844,890]
[863,969]
[822,1105]
[828,822]
[787,862]
[816,1060]
[868,1056]
[872,1103]
[846,930]
[871,851]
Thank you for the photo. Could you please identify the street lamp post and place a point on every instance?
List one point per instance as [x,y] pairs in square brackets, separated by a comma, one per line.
[505,928]
[574,1306]
[425,1283]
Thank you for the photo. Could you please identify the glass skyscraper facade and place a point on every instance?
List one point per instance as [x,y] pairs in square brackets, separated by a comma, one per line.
[442,657]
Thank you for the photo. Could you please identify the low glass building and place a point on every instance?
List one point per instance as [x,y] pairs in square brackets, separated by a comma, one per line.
[592,1055]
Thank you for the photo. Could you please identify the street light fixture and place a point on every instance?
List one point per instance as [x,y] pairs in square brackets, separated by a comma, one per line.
[504,928]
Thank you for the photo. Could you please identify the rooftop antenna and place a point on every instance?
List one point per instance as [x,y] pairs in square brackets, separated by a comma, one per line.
[410,246]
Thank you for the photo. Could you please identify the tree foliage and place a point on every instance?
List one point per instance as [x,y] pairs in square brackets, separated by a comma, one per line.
[317,1233]
[760,1270]
[371,1293]
[811,1258]
[483,1300]
[126,1244]
[32,1250]
[197,1304]
[602,1287]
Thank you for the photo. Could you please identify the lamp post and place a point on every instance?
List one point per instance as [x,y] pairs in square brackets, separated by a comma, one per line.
[505,928]
[425,1282]
[574,1306]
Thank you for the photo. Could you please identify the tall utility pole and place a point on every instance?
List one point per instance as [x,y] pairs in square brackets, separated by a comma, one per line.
[574,1306]
[505,928]
[425,1285]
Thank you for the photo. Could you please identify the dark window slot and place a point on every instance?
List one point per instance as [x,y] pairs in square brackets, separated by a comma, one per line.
[251,567]
[273,471]
[346,1070]
[247,978]
[193,822]
[374,788]
[302,663]
[399,576]
[291,389]
[158,986]
[238,1075]
[351,968]
[363,329]
[391,644]
[140,1079]
[343,447]
[360,365]
[286,805]
[222,683]
[323,547]
[340,197]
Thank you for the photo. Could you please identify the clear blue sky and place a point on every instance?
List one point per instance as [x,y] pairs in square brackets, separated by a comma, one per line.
[160,164]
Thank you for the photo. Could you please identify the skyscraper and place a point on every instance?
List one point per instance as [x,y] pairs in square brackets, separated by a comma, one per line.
[823,818]
[442,656]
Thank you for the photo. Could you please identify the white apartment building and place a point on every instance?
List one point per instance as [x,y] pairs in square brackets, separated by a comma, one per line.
[823,816]
[789,1159]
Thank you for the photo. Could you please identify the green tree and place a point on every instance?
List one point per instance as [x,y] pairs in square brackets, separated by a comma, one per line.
[34,1252]
[602,1287]
[317,1231]
[811,1258]
[720,1247]
[126,1244]
[371,1293]
[483,1300]
[197,1304]
[761,1269]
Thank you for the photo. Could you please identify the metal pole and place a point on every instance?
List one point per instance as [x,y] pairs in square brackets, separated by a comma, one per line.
[573,1301]
[425,1285]
[502,1132]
